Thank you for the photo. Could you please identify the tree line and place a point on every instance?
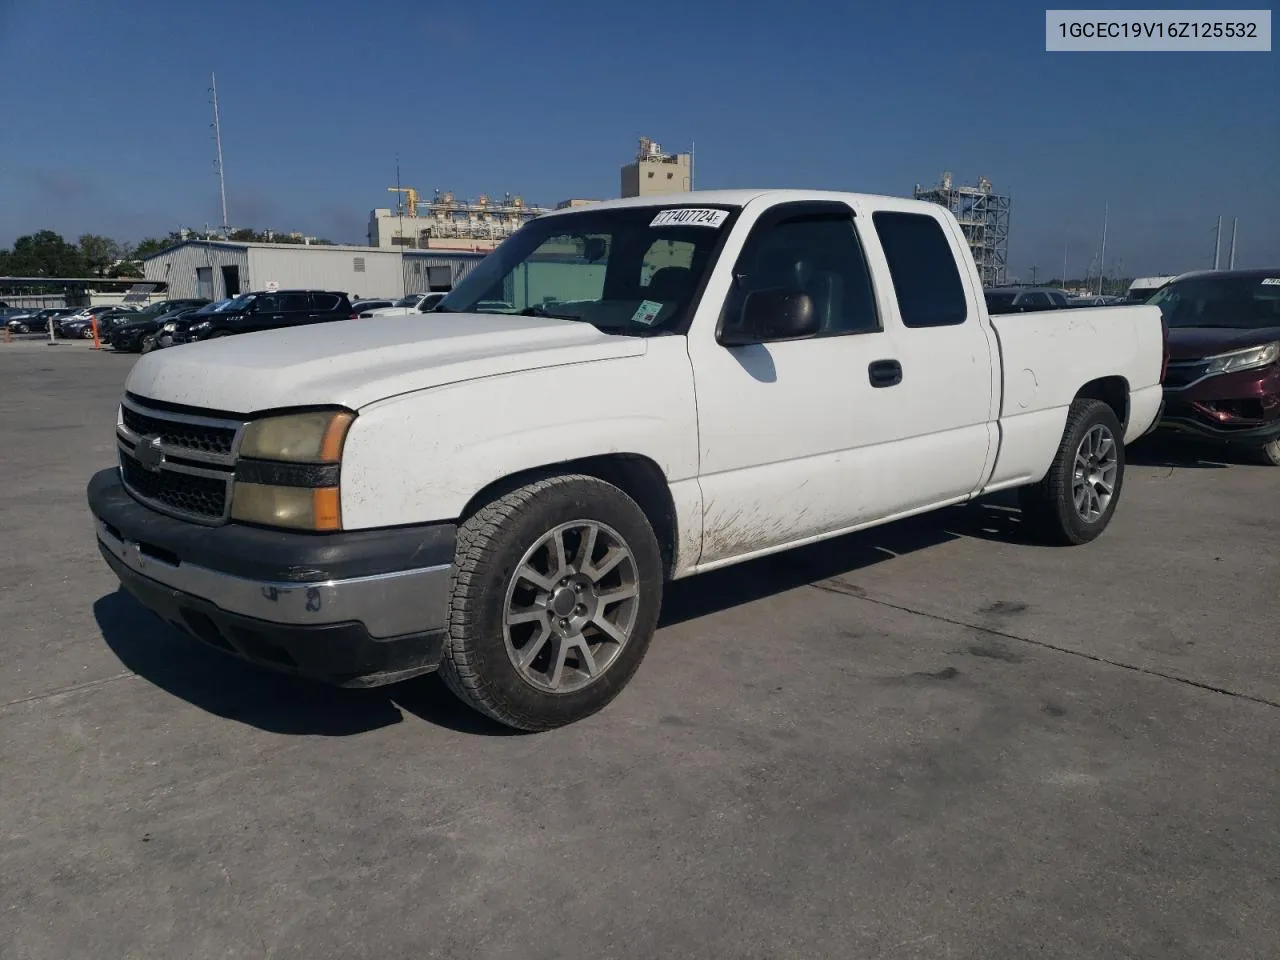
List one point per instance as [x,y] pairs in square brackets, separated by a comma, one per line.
[46,253]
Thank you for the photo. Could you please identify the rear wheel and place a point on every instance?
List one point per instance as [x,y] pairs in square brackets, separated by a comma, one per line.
[1075,501]
[1269,454]
[555,596]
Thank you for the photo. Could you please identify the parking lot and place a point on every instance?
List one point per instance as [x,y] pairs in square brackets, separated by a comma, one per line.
[927,740]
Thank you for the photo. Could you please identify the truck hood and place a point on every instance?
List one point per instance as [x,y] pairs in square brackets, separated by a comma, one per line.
[1196,343]
[353,363]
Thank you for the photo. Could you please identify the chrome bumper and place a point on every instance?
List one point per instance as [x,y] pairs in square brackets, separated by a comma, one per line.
[387,604]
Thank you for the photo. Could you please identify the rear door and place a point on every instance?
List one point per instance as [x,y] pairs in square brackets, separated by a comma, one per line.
[325,307]
[950,361]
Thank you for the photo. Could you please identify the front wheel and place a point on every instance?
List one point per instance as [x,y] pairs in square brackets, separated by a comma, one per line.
[1075,501]
[555,596]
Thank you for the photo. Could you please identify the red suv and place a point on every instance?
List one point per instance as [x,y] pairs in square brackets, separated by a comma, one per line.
[1223,381]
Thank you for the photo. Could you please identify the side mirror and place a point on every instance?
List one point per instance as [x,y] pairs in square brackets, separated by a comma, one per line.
[775,314]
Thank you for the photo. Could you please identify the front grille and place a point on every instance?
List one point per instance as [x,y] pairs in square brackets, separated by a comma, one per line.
[181,434]
[191,473]
[203,497]
[1184,373]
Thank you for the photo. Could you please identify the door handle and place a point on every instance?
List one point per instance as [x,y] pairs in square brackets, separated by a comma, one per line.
[884,373]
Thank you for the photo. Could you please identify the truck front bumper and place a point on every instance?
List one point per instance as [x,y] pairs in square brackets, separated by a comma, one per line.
[355,609]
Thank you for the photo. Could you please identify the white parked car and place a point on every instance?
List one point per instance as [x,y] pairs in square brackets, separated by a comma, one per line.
[671,386]
[414,303]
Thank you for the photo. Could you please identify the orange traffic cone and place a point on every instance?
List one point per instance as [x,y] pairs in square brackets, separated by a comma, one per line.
[97,344]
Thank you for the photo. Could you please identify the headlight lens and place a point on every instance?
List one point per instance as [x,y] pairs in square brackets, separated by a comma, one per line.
[298,437]
[170,327]
[301,508]
[1248,359]
[303,497]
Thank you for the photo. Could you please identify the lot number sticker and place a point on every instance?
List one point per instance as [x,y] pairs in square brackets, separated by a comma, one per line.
[690,217]
[647,313]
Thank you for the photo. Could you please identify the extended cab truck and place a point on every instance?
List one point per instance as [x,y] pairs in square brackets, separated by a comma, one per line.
[671,385]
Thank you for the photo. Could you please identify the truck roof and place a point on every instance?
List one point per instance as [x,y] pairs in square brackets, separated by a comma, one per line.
[739,198]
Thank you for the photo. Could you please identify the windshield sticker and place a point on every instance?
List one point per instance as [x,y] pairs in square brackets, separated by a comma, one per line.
[647,313]
[1271,282]
[690,217]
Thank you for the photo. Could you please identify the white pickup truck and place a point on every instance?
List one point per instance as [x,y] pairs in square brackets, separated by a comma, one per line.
[406,306]
[667,386]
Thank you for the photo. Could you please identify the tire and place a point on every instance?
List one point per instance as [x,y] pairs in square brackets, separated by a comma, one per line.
[87,333]
[146,344]
[216,334]
[1050,508]
[1269,454]
[506,536]
[22,328]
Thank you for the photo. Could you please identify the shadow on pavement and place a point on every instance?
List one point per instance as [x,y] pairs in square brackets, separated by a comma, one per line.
[1185,452]
[227,687]
[994,518]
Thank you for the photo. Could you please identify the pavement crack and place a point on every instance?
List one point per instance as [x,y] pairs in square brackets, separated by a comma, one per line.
[70,688]
[849,590]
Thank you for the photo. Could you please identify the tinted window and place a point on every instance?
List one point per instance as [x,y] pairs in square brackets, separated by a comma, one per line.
[1000,302]
[925,277]
[294,302]
[327,301]
[1037,301]
[1059,299]
[1249,302]
[820,256]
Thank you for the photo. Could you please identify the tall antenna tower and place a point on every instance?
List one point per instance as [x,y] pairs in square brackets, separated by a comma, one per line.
[217,136]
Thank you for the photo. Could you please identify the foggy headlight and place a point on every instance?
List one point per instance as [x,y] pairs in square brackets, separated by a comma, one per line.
[1248,359]
[287,474]
[298,437]
[170,327]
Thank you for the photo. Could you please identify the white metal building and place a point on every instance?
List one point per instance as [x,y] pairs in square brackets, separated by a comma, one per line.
[224,268]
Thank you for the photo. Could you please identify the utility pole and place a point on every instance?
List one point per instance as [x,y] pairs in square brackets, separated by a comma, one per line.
[1217,243]
[217,136]
[1102,258]
[1033,275]
[692,146]
[1231,257]
[1064,259]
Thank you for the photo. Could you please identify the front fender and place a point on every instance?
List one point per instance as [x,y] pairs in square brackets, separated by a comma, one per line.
[422,456]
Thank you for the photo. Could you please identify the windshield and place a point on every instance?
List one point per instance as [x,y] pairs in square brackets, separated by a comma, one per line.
[237,303]
[1247,303]
[630,270]
[408,301]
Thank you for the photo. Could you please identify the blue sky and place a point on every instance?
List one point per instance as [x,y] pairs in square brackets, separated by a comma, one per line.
[104,114]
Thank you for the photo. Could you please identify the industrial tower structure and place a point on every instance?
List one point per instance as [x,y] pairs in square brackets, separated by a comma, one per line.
[984,218]
[448,222]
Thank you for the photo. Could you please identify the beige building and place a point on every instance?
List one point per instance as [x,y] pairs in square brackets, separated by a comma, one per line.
[654,173]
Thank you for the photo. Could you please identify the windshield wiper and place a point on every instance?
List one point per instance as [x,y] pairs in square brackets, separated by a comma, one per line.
[540,312]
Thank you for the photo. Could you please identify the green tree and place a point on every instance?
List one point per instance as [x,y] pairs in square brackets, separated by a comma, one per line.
[45,254]
[98,253]
[148,247]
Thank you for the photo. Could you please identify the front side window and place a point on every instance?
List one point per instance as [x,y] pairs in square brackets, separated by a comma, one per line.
[818,255]
[923,266]
[631,270]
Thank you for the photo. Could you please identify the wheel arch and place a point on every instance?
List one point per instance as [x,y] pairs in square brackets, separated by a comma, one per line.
[636,475]
[1113,391]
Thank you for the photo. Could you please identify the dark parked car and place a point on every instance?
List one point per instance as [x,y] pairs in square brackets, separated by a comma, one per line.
[1223,378]
[138,334]
[110,319]
[1024,299]
[253,312]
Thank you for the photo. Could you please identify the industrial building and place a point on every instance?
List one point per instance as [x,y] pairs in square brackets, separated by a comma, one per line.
[216,269]
[448,223]
[984,218]
[654,173]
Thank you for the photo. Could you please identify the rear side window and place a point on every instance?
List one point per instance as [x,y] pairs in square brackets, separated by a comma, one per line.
[327,301]
[925,277]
